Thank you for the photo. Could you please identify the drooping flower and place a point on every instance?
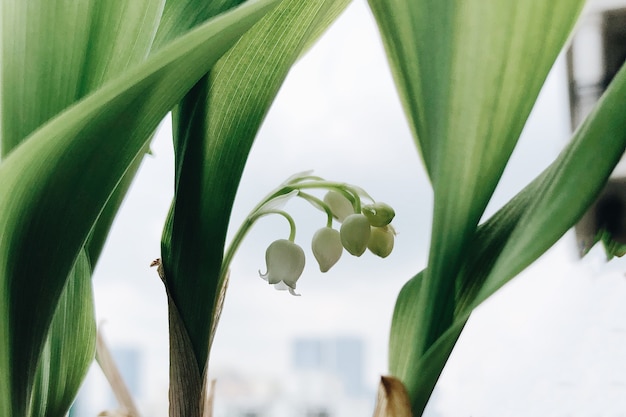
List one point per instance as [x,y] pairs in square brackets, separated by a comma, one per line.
[285,263]
[381,240]
[355,233]
[379,214]
[327,248]
[339,205]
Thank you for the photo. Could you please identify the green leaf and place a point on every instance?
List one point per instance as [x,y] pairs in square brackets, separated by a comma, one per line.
[70,346]
[468,73]
[35,85]
[55,184]
[180,16]
[45,70]
[215,127]
[512,239]
[567,189]
[418,371]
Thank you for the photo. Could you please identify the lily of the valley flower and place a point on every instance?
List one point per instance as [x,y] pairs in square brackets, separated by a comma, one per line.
[381,240]
[339,205]
[327,248]
[285,263]
[379,214]
[362,227]
[355,234]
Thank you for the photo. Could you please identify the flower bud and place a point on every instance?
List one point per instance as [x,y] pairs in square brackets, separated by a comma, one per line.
[285,263]
[355,233]
[339,205]
[381,241]
[379,214]
[326,247]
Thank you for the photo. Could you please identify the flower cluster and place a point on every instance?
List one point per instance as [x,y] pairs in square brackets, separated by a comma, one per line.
[362,227]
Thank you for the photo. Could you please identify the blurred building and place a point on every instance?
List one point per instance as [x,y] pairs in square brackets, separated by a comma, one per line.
[597,52]
[341,358]
[325,380]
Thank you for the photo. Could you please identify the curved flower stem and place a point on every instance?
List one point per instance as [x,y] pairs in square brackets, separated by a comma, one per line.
[243,231]
[307,178]
[303,183]
[316,202]
[346,189]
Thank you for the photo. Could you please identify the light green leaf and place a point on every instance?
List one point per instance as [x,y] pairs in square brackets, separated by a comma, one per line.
[418,371]
[45,70]
[513,238]
[55,184]
[468,73]
[180,16]
[41,66]
[70,346]
[214,130]
[566,190]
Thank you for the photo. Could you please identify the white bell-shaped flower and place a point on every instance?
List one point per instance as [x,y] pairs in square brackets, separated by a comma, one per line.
[285,263]
[339,205]
[379,214]
[327,248]
[381,241]
[355,233]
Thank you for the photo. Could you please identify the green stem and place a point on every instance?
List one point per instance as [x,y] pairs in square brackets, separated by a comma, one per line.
[243,231]
[316,202]
[348,191]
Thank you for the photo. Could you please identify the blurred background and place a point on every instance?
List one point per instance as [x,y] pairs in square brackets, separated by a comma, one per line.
[550,343]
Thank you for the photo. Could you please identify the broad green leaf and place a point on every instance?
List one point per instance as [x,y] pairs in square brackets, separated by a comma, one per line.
[55,184]
[513,238]
[70,346]
[45,70]
[418,371]
[214,130]
[181,15]
[35,87]
[122,34]
[468,73]
[565,193]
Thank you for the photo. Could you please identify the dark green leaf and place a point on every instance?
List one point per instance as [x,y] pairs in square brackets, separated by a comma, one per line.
[55,184]
[69,348]
[214,130]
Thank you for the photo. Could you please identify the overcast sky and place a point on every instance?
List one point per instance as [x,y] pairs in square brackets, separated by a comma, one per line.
[550,344]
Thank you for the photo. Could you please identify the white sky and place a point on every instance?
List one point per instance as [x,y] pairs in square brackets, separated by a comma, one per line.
[548,344]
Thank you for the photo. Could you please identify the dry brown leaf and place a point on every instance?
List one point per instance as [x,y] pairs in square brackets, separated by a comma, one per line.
[114,413]
[186,388]
[112,374]
[393,400]
[208,402]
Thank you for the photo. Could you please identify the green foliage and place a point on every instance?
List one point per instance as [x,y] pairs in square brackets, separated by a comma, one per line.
[85,84]
[215,126]
[468,74]
[69,348]
[56,183]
